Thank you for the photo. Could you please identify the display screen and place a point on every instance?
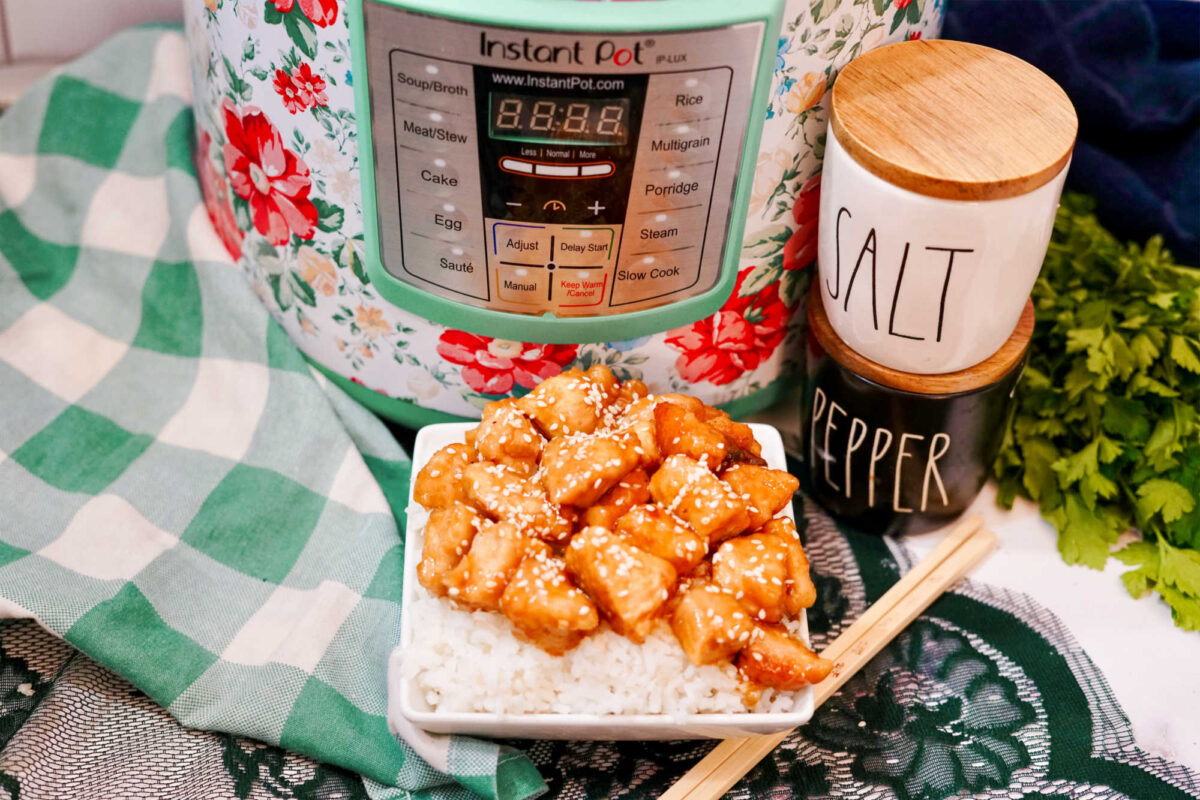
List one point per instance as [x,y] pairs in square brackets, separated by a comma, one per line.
[529,118]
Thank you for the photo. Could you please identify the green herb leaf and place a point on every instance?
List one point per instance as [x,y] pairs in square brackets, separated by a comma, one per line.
[1106,429]
[1168,498]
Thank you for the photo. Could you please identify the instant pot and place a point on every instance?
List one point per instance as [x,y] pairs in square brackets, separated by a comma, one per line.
[443,202]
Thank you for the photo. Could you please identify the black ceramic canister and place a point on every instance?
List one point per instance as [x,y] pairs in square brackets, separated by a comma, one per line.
[891,452]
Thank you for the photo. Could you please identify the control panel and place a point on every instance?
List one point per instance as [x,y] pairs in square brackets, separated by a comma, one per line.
[533,172]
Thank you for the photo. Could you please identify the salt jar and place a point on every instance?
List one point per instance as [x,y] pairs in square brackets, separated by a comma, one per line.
[944,165]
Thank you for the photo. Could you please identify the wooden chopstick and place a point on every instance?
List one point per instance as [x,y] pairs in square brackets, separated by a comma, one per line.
[945,565]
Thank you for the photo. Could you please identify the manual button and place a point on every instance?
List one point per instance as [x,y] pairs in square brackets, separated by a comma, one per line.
[523,285]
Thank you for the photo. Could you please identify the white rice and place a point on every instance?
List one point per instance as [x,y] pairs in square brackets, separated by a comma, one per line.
[472,661]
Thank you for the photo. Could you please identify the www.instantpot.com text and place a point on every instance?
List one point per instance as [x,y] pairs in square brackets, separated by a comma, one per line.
[581,82]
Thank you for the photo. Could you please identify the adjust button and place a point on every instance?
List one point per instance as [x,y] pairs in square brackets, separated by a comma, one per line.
[524,244]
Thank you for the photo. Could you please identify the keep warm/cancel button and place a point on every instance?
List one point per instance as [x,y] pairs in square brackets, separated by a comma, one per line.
[646,277]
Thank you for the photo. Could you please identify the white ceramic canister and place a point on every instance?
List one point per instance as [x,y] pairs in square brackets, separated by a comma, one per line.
[944,165]
[273,76]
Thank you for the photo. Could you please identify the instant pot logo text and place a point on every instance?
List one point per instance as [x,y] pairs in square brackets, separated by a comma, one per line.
[605,52]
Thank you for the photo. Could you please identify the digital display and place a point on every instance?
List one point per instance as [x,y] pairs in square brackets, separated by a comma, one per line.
[529,118]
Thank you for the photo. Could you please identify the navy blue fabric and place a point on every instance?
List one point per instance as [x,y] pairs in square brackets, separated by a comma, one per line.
[1132,69]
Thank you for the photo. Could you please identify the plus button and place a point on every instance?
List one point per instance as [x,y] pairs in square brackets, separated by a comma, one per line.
[595,207]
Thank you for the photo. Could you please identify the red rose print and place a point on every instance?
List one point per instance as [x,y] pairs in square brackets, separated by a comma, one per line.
[322,12]
[902,4]
[293,101]
[914,36]
[801,248]
[268,176]
[491,366]
[216,199]
[735,340]
[311,87]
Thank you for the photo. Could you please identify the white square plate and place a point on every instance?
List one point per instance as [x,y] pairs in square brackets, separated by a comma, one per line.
[413,706]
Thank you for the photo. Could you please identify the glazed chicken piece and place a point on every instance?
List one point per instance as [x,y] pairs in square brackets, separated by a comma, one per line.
[503,494]
[481,577]
[448,536]
[656,531]
[765,492]
[627,393]
[638,420]
[579,469]
[628,584]
[439,483]
[506,436]
[679,430]
[633,489]
[710,624]
[545,606]
[774,658]
[686,488]
[801,593]
[570,402]
[754,569]
[741,446]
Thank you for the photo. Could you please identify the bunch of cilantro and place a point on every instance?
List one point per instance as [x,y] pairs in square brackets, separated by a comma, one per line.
[1105,433]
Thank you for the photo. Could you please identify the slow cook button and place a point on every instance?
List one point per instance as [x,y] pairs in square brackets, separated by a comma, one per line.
[651,276]
[524,285]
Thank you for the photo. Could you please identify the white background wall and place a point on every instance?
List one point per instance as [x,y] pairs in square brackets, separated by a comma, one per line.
[35,35]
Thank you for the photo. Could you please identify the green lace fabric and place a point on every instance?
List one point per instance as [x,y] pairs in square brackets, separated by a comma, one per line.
[986,695]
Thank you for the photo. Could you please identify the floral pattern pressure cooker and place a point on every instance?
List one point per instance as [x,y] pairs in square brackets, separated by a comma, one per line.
[277,158]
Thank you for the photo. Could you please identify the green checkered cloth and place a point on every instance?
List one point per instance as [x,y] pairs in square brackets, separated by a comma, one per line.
[180,497]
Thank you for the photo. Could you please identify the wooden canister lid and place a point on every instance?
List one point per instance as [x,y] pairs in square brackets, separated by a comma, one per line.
[985,373]
[953,120]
